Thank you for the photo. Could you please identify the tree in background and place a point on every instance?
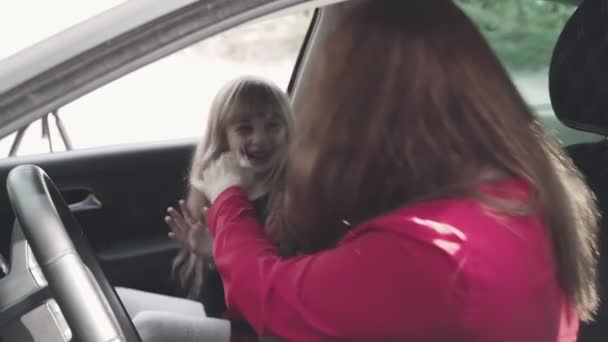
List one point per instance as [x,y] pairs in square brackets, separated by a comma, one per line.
[522,32]
[261,42]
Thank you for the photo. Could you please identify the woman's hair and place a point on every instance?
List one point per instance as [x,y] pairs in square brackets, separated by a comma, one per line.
[237,100]
[407,102]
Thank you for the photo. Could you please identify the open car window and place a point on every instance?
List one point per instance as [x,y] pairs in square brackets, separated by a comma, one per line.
[170,98]
[523,34]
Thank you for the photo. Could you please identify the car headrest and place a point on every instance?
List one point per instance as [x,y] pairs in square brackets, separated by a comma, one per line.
[578,75]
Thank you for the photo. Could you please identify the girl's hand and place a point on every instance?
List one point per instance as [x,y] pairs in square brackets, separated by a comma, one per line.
[230,169]
[188,231]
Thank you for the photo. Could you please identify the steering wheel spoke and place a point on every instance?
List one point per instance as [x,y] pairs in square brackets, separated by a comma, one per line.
[87,300]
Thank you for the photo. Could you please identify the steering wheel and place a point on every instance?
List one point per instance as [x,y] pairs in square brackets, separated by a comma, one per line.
[87,300]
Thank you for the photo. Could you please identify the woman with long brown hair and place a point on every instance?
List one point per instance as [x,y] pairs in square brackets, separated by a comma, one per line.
[424,201]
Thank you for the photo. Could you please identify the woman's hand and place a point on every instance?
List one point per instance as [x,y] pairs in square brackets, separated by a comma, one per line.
[230,169]
[186,230]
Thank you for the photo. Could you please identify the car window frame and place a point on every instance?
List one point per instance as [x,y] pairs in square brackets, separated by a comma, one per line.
[40,94]
[63,141]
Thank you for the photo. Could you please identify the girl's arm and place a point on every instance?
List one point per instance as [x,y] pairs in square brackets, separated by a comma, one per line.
[374,286]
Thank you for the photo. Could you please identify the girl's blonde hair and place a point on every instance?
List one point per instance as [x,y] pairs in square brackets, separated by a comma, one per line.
[235,101]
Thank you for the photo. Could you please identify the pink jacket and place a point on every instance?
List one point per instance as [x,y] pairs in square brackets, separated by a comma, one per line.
[444,270]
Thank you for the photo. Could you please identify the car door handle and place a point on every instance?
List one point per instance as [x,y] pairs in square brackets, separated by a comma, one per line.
[91,202]
[81,200]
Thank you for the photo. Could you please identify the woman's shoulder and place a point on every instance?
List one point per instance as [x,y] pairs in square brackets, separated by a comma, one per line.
[455,223]
[440,224]
[462,209]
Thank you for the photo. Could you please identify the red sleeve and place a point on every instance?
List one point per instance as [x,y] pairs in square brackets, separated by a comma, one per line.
[368,288]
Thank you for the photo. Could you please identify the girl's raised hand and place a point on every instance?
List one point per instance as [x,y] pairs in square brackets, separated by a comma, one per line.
[187,230]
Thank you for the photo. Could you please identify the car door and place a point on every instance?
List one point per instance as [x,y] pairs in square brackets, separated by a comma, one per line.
[121,153]
[120,209]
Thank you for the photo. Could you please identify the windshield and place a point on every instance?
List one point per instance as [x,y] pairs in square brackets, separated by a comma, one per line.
[26,22]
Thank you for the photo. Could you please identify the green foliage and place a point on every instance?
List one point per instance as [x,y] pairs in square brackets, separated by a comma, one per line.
[522,32]
[266,41]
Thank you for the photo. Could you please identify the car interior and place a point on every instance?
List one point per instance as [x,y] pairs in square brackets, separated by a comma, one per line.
[101,195]
[578,84]
[112,212]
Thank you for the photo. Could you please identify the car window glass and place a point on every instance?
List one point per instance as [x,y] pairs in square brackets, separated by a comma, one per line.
[170,98]
[523,34]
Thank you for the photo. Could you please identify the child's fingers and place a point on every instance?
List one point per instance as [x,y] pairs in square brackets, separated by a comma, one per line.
[173,226]
[176,238]
[177,223]
[177,217]
[186,213]
[176,233]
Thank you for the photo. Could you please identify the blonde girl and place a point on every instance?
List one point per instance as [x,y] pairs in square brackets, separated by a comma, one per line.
[249,116]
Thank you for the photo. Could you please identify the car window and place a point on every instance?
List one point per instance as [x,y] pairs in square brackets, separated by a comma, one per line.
[170,98]
[523,34]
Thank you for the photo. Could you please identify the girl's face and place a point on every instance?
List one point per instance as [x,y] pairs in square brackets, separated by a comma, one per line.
[259,138]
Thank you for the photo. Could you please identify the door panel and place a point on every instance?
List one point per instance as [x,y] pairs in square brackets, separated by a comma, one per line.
[120,196]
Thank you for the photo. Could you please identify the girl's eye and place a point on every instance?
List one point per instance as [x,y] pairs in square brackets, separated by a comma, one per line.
[244,129]
[273,126]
